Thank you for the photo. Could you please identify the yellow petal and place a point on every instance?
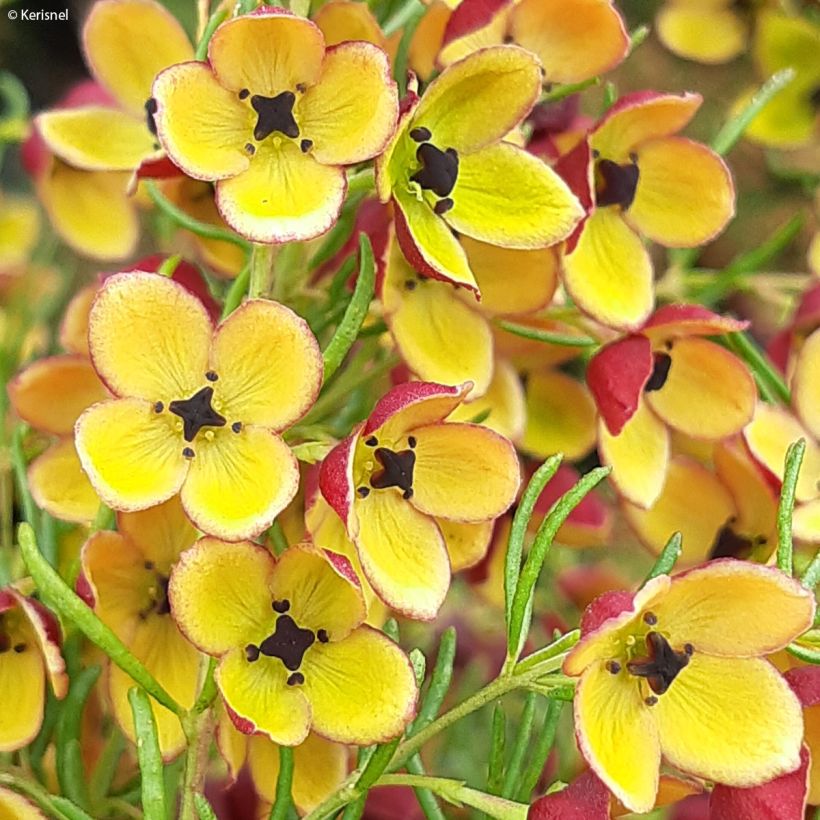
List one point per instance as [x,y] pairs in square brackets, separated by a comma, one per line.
[269,365]
[428,243]
[769,435]
[350,114]
[506,196]
[732,720]
[710,36]
[74,326]
[319,767]
[59,485]
[220,594]
[688,487]
[402,552]
[439,336]
[321,596]
[149,337]
[51,393]
[787,121]
[90,210]
[427,39]
[19,227]
[15,807]
[96,138]
[479,99]
[132,456]
[511,280]
[127,43]
[806,522]
[783,41]
[638,455]
[609,272]
[344,20]
[19,725]
[466,544]
[462,40]
[708,393]
[561,39]
[203,126]
[283,196]
[617,735]
[239,482]
[267,52]
[463,472]
[710,607]
[258,693]
[560,416]
[162,533]
[361,689]
[685,195]
[806,384]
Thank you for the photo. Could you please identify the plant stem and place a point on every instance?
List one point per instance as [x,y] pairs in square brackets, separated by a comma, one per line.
[263,258]
[198,729]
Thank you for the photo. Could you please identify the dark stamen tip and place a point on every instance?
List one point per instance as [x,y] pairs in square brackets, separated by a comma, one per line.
[188,452]
[236,426]
[633,157]
[410,284]
[149,565]
[295,679]
[688,648]
[244,94]
[650,618]
[412,441]
[19,647]
[306,145]
[322,636]
[407,494]
[211,376]
[301,88]
[251,652]
[372,441]
[613,667]
[443,205]
[363,492]
[250,148]
[421,134]
[159,407]
[651,700]
[281,606]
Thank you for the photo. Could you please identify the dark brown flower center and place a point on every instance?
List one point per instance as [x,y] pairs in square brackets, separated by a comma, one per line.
[274,114]
[616,184]
[661,665]
[660,372]
[439,169]
[197,412]
[397,470]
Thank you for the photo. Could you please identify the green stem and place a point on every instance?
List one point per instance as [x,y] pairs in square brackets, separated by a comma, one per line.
[766,376]
[18,460]
[214,22]
[283,801]
[209,688]
[539,755]
[363,181]
[148,755]
[562,91]
[263,258]
[198,729]
[522,741]
[561,339]
[785,510]
[236,292]
[53,805]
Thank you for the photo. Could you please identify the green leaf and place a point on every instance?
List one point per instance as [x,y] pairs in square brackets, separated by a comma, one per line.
[668,557]
[283,802]
[768,379]
[356,312]
[408,18]
[440,680]
[538,335]
[236,292]
[203,808]
[495,767]
[520,748]
[539,754]
[376,765]
[426,799]
[785,510]
[148,755]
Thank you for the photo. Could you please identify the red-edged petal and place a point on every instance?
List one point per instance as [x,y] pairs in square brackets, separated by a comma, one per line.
[689,320]
[404,395]
[336,477]
[586,798]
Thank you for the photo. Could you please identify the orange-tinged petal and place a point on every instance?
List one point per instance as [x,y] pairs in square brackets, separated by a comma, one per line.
[350,114]
[560,416]
[74,326]
[478,100]
[269,365]
[220,594]
[162,533]
[708,392]
[642,116]
[466,544]
[685,195]
[487,28]
[463,472]
[343,20]
[91,210]
[768,437]
[132,456]
[203,126]
[149,337]
[511,280]
[609,272]
[506,196]
[59,485]
[239,482]
[806,384]
[439,336]
[638,455]
[19,724]
[319,767]
[96,138]
[127,43]
[711,36]
[710,607]
[283,196]
[688,487]
[258,693]
[732,720]
[267,52]
[806,522]
[361,690]
[560,36]
[403,553]
[617,735]
[322,594]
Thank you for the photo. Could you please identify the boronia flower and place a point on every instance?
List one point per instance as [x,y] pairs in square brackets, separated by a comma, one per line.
[29,653]
[418,494]
[198,410]
[293,651]
[447,167]
[677,670]
[271,118]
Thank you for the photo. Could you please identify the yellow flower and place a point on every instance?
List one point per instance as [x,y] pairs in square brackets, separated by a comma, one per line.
[29,652]
[418,495]
[447,168]
[271,118]
[706,31]
[293,653]
[677,671]
[199,410]
[125,578]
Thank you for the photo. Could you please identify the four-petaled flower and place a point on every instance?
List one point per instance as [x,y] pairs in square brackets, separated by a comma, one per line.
[293,651]
[199,409]
[271,118]
[418,494]
[676,670]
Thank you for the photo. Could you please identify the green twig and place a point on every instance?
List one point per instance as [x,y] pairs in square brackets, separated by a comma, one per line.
[148,755]
[512,774]
[498,743]
[426,799]
[561,339]
[263,259]
[214,22]
[236,292]
[785,510]
[539,755]
[283,801]
[562,91]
